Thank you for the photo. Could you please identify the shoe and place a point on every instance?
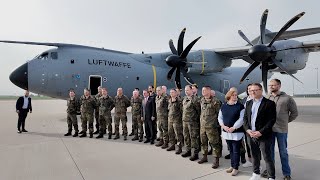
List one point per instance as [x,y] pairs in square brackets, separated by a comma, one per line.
[117,137]
[83,135]
[109,137]
[152,142]
[203,159]
[75,134]
[158,139]
[100,136]
[186,154]
[96,132]
[140,139]
[113,133]
[179,151]
[164,146]
[91,135]
[227,156]
[210,152]
[255,177]
[67,134]
[23,130]
[19,131]
[229,170]
[160,143]
[81,132]
[264,174]
[135,138]
[146,141]
[247,164]
[171,148]
[124,138]
[234,172]
[287,178]
[131,134]
[194,157]
[215,164]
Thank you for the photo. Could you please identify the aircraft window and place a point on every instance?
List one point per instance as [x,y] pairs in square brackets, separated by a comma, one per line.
[44,56]
[54,55]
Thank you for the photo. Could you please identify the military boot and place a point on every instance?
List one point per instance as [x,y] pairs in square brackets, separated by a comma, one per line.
[68,133]
[100,136]
[125,137]
[215,164]
[194,157]
[81,132]
[75,134]
[160,143]
[96,132]
[110,135]
[83,135]
[179,151]
[140,138]
[135,138]
[91,135]
[131,134]
[165,145]
[172,147]
[186,154]
[117,137]
[203,159]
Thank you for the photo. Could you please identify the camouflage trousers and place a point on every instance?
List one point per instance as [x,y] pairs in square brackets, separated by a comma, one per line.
[163,128]
[72,121]
[105,121]
[175,132]
[137,126]
[191,136]
[96,115]
[123,119]
[212,135]
[85,119]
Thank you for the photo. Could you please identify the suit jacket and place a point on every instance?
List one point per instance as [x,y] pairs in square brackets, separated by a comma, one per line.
[148,109]
[266,117]
[20,102]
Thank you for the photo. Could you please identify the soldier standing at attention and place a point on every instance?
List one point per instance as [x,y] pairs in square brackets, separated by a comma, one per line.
[190,119]
[137,123]
[73,105]
[209,129]
[162,117]
[96,111]
[175,122]
[121,103]
[105,104]
[88,104]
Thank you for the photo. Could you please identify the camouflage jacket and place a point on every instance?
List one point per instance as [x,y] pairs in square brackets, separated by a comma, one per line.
[87,105]
[162,106]
[175,110]
[136,105]
[121,104]
[209,112]
[97,96]
[191,109]
[73,106]
[106,104]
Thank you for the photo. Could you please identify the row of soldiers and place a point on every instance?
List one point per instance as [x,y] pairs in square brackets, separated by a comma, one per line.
[190,121]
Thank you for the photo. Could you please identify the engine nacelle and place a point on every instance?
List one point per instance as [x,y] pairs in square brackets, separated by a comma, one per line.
[206,62]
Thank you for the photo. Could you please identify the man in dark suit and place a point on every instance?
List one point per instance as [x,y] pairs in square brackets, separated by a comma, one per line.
[148,114]
[23,106]
[259,118]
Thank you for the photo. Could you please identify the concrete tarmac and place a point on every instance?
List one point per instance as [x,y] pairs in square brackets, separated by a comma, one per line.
[45,154]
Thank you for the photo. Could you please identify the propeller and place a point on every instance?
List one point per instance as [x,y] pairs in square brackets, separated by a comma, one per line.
[178,60]
[264,54]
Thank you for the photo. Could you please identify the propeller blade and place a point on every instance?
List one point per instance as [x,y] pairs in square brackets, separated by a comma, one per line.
[173,49]
[188,48]
[264,69]
[169,75]
[251,68]
[285,70]
[180,41]
[187,77]
[244,37]
[177,78]
[285,27]
[263,22]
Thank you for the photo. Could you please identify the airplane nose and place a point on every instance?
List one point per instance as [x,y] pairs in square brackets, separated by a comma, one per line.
[19,77]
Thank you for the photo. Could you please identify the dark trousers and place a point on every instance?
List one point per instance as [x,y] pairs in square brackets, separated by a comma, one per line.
[22,118]
[150,129]
[234,147]
[263,147]
[247,142]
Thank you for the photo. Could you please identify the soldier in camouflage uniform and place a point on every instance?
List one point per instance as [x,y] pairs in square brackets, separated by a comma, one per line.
[137,123]
[88,104]
[190,119]
[175,122]
[106,104]
[209,130]
[96,111]
[121,103]
[162,117]
[73,105]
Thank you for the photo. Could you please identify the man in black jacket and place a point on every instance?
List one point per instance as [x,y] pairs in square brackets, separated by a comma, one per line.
[148,114]
[259,118]
[23,106]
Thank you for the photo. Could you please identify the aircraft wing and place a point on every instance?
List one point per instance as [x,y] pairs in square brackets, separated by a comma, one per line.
[311,46]
[235,53]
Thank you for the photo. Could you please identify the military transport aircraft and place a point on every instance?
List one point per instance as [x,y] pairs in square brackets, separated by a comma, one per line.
[55,71]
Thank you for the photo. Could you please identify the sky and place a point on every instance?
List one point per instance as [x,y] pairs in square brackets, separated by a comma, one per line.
[146,25]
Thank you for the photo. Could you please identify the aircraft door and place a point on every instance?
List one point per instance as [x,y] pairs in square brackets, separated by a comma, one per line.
[94,82]
[225,86]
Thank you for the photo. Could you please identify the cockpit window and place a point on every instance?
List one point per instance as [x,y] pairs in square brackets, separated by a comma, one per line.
[44,56]
[54,55]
